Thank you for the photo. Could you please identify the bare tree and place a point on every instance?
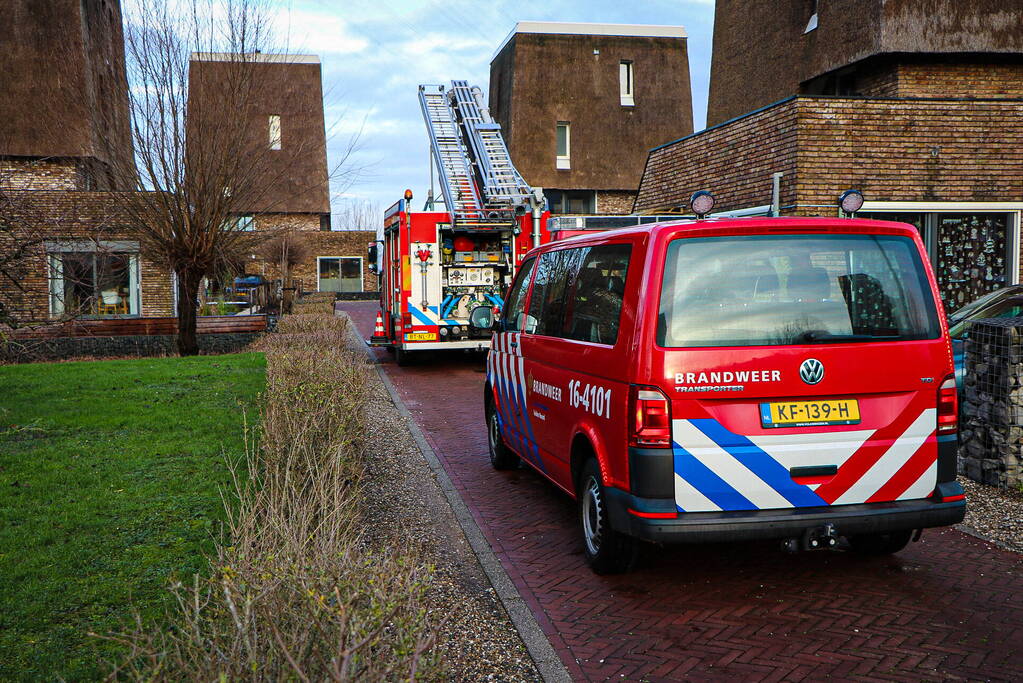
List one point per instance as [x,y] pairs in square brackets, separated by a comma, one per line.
[357,214]
[285,251]
[181,200]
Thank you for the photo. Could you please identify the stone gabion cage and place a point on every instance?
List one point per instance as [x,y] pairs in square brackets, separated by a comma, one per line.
[991,433]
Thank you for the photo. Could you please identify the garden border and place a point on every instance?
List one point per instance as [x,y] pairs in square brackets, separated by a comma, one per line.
[547,661]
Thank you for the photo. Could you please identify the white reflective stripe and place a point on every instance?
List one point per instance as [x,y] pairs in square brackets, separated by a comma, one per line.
[817,448]
[893,459]
[923,486]
[691,500]
[722,463]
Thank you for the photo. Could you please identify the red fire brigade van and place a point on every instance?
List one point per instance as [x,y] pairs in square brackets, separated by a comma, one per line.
[730,379]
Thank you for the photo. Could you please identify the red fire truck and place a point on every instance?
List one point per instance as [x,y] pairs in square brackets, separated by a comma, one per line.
[438,265]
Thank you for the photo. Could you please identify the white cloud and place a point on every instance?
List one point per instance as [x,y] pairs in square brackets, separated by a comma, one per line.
[320,32]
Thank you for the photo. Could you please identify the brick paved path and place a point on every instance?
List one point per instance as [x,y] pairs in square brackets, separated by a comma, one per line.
[948,607]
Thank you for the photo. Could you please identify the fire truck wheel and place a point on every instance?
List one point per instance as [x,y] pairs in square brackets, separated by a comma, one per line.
[402,357]
[880,544]
[501,457]
[607,551]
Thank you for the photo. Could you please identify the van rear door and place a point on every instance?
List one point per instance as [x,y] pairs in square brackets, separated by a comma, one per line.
[804,369]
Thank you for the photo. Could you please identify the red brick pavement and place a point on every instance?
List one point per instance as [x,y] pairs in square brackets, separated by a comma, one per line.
[948,607]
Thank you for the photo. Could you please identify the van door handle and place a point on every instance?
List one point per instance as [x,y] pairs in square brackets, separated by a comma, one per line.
[514,345]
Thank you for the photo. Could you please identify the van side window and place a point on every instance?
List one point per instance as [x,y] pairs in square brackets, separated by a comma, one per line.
[514,313]
[554,272]
[594,301]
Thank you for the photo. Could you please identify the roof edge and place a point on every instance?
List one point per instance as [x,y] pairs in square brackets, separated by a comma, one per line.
[263,57]
[592,29]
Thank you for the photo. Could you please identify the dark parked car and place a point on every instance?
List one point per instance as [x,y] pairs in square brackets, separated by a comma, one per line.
[1001,303]
[244,284]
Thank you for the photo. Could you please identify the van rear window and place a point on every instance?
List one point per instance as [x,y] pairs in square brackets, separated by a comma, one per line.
[770,290]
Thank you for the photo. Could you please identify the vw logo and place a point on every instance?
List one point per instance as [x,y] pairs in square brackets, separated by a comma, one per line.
[811,371]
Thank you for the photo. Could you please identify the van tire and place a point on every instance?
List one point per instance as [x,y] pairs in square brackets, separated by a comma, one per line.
[607,551]
[402,357]
[501,457]
[880,544]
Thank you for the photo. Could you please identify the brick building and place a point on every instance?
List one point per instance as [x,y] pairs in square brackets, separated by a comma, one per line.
[64,140]
[916,103]
[286,116]
[579,104]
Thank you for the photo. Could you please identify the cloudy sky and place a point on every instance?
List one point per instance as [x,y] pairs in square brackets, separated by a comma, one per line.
[375,53]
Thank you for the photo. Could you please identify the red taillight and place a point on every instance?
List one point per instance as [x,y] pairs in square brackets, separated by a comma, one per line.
[948,406]
[406,320]
[650,422]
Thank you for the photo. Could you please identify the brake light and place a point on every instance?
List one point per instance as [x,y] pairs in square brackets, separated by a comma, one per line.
[650,421]
[948,406]
[406,320]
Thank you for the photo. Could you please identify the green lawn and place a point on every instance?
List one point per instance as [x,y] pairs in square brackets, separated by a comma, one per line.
[109,475]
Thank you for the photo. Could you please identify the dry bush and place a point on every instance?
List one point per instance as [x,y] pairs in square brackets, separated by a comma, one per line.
[300,593]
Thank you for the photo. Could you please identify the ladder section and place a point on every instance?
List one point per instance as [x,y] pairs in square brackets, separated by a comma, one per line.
[503,186]
[461,197]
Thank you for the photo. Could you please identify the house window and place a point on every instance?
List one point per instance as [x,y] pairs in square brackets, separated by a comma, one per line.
[275,131]
[241,223]
[571,201]
[339,273]
[812,24]
[93,280]
[563,141]
[625,84]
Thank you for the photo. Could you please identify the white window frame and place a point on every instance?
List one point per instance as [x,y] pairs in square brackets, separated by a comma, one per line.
[274,126]
[55,271]
[362,272]
[1014,209]
[627,83]
[563,161]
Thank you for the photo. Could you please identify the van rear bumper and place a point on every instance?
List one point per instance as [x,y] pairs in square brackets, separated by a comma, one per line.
[848,520]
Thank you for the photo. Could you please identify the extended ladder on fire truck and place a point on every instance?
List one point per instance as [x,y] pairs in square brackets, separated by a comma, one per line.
[478,180]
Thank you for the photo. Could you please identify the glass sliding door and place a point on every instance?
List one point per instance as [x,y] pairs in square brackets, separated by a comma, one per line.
[93,284]
[339,273]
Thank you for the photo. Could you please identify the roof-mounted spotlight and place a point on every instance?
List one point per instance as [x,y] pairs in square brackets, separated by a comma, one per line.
[702,202]
[851,201]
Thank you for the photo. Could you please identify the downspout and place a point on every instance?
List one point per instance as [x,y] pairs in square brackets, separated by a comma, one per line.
[776,193]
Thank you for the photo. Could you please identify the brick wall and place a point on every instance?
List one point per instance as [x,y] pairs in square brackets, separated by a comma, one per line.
[735,161]
[67,216]
[38,174]
[960,80]
[615,203]
[909,150]
[317,243]
[892,150]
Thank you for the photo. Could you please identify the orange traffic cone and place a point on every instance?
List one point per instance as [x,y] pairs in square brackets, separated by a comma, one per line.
[379,337]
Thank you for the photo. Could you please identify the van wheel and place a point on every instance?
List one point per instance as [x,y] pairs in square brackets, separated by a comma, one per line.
[501,457]
[402,357]
[607,551]
[880,544]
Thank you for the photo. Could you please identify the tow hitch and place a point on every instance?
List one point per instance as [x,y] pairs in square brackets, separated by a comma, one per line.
[816,538]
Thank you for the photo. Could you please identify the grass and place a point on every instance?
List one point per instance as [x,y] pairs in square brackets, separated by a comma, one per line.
[109,476]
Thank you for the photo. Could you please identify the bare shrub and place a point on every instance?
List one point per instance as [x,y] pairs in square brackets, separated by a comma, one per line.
[299,592]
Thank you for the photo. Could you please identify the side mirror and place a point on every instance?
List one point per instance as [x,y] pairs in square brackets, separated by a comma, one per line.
[482,317]
[529,324]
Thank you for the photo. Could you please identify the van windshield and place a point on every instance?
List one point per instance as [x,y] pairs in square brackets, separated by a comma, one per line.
[768,290]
